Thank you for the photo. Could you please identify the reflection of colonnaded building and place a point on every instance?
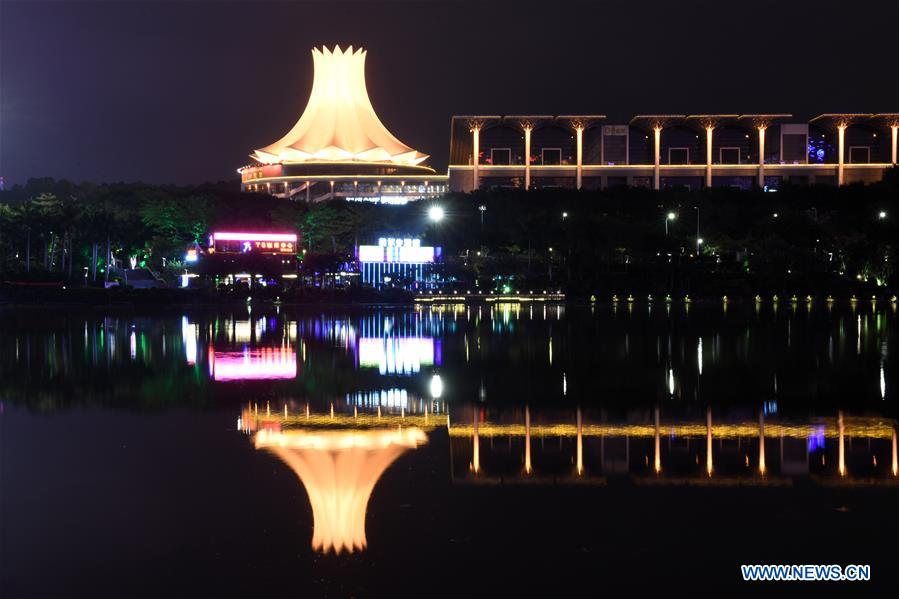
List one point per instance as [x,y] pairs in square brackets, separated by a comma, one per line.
[518,447]
[340,455]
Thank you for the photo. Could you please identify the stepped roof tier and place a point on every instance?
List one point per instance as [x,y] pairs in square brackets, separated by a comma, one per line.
[339,124]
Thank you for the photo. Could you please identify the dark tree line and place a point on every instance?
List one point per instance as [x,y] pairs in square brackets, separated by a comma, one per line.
[798,239]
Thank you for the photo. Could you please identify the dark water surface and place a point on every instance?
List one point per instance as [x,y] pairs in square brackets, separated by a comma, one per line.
[503,449]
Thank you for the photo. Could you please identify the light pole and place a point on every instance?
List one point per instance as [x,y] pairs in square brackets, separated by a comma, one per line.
[670,216]
[435,215]
[698,238]
[482,209]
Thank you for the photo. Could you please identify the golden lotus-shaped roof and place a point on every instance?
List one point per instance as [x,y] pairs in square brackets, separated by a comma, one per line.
[339,123]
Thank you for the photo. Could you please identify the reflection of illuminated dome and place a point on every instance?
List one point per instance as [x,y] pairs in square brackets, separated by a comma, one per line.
[339,470]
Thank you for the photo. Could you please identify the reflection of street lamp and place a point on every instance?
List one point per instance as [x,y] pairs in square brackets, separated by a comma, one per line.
[435,213]
[670,216]
[436,386]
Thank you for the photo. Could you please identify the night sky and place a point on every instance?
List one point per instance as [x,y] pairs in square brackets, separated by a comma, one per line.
[181,92]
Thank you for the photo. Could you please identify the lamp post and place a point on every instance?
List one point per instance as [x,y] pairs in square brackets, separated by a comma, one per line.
[698,238]
[670,216]
[482,209]
[435,215]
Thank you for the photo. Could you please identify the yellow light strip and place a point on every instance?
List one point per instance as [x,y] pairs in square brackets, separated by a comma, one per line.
[876,429]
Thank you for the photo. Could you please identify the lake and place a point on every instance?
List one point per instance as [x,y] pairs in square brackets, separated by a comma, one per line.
[495,449]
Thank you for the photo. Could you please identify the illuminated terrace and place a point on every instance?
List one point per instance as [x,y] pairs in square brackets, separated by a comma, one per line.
[669,150]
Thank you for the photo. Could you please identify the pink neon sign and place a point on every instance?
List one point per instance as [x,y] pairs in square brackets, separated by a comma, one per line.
[254,364]
[229,236]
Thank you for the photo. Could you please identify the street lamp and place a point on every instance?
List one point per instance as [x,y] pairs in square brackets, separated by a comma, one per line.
[482,209]
[882,214]
[564,215]
[435,213]
[670,216]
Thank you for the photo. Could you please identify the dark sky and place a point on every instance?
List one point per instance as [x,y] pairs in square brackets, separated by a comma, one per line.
[181,92]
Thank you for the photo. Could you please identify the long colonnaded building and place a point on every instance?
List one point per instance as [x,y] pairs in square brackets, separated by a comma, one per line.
[671,150]
[339,148]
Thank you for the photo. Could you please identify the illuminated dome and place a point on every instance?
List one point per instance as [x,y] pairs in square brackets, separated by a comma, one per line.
[339,123]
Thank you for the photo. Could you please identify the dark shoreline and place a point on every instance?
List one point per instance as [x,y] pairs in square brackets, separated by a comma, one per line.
[180,299]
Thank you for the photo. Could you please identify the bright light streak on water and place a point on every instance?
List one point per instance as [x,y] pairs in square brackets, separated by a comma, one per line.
[699,355]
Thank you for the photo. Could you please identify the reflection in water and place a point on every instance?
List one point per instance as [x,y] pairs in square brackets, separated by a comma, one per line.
[340,457]
[531,353]
[253,364]
[391,355]
[512,447]
[339,470]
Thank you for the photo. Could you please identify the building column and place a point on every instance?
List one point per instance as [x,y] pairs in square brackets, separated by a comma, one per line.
[657,456]
[527,440]
[895,468]
[476,152]
[579,464]
[761,129]
[475,445]
[841,142]
[841,448]
[579,134]
[762,466]
[709,464]
[895,130]
[656,175]
[708,155]
[527,157]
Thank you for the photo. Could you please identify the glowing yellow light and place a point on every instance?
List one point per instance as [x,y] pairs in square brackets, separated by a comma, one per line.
[762,466]
[657,441]
[708,443]
[842,445]
[339,122]
[895,456]
[580,445]
[527,440]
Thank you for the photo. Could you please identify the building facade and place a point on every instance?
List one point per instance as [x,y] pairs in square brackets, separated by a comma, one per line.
[662,151]
[339,148]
